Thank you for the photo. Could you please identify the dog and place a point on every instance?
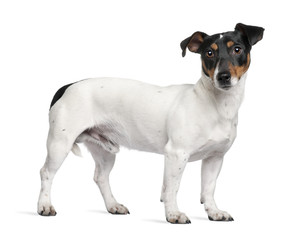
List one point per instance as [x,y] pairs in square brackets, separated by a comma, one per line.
[184,122]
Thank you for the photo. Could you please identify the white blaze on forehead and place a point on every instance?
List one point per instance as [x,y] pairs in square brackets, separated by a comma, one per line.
[221,35]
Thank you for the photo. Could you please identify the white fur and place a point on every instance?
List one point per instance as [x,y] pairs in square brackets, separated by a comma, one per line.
[183,122]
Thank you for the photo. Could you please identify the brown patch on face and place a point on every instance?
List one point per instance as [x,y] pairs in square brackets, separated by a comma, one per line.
[210,72]
[214,46]
[230,44]
[238,71]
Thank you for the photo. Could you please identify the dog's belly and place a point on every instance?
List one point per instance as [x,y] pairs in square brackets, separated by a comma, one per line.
[111,137]
[147,139]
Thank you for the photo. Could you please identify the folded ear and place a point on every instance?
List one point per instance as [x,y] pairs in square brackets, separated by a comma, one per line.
[254,34]
[193,43]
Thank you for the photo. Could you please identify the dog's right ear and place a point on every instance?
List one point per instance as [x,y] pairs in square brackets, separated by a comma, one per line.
[193,43]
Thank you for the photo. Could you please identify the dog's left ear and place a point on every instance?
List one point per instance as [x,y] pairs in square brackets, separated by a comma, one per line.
[254,34]
[193,43]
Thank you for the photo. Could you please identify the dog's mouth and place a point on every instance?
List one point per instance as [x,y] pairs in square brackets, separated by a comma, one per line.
[226,88]
[223,87]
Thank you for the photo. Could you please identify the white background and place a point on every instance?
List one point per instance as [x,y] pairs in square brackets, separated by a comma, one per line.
[47,44]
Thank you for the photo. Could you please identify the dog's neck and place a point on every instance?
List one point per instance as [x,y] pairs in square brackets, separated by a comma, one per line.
[227,102]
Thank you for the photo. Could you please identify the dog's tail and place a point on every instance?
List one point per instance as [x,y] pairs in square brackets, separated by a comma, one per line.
[76,150]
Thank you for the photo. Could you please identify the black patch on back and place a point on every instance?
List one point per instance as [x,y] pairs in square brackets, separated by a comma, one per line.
[59,94]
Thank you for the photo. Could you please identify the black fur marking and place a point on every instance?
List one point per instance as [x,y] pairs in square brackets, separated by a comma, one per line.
[59,94]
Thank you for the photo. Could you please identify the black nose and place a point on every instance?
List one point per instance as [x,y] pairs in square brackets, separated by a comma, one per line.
[224,78]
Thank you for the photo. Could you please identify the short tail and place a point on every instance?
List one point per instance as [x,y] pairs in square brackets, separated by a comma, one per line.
[76,150]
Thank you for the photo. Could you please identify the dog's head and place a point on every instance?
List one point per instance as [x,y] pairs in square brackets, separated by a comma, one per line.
[225,56]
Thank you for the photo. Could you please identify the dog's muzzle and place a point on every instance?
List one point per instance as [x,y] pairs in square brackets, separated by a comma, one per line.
[224,80]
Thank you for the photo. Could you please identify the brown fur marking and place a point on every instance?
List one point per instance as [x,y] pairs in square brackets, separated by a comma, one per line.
[214,46]
[230,44]
[238,71]
[210,72]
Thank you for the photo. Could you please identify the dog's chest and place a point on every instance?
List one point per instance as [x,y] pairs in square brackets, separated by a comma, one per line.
[218,141]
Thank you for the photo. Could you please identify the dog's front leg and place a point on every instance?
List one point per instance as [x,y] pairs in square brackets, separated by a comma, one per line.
[175,162]
[210,170]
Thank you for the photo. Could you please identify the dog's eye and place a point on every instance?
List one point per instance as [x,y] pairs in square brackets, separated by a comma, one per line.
[237,50]
[209,54]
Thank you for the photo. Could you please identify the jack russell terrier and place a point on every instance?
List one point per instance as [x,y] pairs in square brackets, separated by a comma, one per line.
[183,122]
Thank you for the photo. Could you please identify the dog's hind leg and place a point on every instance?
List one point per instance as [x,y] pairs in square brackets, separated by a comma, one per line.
[58,149]
[104,163]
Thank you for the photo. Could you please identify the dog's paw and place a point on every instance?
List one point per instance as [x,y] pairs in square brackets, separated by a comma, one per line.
[217,215]
[46,210]
[118,209]
[177,217]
